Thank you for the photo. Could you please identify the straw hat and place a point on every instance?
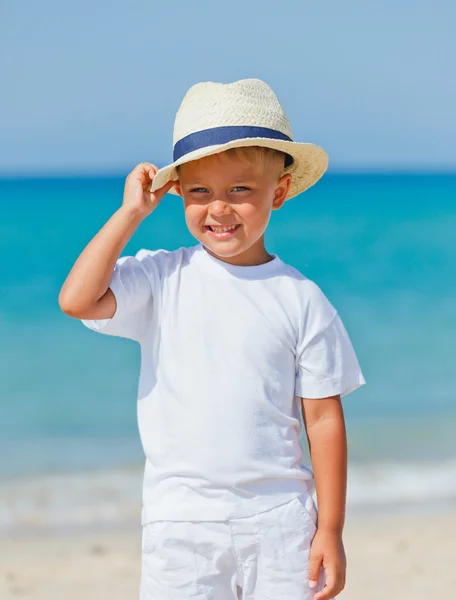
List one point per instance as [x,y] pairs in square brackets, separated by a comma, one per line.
[214,117]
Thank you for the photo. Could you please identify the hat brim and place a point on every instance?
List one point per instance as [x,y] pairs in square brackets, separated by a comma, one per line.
[309,162]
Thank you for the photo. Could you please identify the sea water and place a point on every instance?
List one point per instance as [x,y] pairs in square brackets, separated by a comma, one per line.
[382,248]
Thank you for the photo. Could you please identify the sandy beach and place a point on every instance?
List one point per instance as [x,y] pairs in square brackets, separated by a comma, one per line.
[403,556]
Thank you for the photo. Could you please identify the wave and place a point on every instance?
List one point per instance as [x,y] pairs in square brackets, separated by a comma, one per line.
[378,484]
[113,497]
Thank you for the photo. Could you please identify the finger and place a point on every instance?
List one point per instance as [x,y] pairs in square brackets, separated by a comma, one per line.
[314,569]
[330,589]
[151,170]
[323,595]
[158,194]
[145,170]
[165,188]
[144,167]
[140,173]
[328,593]
[340,583]
[145,173]
[148,165]
[168,185]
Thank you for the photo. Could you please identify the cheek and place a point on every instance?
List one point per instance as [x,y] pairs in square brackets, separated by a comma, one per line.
[194,213]
[254,214]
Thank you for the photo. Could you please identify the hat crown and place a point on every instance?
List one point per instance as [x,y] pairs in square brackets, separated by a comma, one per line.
[247,102]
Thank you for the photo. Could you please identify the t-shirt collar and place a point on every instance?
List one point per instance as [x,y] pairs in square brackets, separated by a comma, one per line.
[244,272]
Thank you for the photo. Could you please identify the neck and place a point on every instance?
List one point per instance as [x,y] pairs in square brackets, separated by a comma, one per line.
[253,256]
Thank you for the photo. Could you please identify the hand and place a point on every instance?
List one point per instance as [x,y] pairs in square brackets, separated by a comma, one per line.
[137,195]
[327,551]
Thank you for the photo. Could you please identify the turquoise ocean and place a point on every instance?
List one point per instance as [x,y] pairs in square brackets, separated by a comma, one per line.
[382,248]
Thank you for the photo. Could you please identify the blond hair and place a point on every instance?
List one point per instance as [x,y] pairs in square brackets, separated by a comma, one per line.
[258,155]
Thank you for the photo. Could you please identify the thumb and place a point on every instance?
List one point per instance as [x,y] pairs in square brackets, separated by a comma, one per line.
[162,191]
[315,562]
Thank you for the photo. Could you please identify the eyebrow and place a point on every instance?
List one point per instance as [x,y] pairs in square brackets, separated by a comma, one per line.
[234,182]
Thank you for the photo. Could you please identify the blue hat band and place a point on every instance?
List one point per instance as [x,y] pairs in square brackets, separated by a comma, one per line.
[223,135]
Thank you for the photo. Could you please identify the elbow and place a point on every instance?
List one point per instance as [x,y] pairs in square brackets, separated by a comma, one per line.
[69,306]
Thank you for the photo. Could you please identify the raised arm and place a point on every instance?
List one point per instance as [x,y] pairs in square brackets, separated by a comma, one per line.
[85,293]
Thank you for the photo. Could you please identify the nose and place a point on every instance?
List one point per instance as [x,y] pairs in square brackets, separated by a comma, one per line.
[218,208]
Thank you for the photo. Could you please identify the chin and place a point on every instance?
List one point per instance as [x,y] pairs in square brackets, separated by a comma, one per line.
[223,250]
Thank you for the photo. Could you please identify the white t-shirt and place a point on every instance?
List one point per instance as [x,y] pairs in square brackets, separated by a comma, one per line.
[226,353]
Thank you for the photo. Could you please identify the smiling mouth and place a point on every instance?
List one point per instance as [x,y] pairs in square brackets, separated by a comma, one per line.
[221,231]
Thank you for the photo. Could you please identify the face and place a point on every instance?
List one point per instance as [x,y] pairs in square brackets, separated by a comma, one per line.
[228,204]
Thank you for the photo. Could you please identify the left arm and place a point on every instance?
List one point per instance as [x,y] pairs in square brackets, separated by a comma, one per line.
[325,429]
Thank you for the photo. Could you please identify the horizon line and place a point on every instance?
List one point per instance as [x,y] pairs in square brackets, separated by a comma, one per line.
[117,173]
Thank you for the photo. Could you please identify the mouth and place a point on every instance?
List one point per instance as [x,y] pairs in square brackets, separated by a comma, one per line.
[221,232]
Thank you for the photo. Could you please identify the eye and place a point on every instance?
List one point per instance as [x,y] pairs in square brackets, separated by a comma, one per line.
[198,190]
[241,188]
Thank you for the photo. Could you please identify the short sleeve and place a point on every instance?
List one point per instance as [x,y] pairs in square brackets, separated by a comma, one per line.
[326,363]
[134,283]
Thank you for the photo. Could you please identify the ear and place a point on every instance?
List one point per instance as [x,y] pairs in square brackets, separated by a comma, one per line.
[281,191]
[177,187]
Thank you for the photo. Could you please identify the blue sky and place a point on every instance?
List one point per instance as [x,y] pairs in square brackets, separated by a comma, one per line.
[93,86]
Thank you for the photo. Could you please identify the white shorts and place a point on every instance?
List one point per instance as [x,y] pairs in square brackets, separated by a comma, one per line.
[263,557]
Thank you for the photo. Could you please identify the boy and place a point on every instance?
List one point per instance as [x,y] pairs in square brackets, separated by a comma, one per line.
[234,343]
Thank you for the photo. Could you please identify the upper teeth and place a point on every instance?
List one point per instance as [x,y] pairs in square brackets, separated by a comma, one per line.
[223,229]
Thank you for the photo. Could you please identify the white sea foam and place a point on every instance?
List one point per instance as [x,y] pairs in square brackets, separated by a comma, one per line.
[114,497]
[72,499]
[377,484]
